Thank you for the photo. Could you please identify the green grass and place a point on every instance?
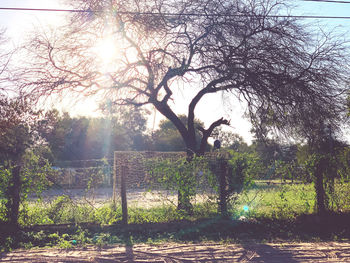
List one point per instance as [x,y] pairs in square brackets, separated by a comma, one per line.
[284,201]
[277,201]
[274,212]
[67,212]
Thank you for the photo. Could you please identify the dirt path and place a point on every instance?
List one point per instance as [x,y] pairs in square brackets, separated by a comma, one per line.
[208,252]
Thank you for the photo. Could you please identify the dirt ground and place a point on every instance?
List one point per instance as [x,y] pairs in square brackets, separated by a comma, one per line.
[204,252]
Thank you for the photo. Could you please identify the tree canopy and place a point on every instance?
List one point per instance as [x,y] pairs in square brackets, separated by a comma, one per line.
[19,133]
[168,138]
[290,76]
[84,138]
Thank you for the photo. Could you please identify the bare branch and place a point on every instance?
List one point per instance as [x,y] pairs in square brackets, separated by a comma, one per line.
[289,76]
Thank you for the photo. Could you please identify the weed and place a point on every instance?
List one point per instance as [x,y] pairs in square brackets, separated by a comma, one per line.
[64,244]
[81,236]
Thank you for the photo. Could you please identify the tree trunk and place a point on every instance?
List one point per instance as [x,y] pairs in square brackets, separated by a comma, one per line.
[319,187]
[223,185]
[184,202]
[14,196]
[183,196]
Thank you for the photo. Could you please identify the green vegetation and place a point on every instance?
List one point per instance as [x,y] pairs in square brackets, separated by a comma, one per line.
[273,200]
[283,205]
[64,210]
[276,200]
[265,212]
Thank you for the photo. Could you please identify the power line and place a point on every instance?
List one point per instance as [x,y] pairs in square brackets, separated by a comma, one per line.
[175,14]
[328,1]
[44,9]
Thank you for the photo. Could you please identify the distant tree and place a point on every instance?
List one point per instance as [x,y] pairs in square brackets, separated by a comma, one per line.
[57,126]
[271,150]
[134,121]
[66,136]
[82,138]
[167,137]
[230,140]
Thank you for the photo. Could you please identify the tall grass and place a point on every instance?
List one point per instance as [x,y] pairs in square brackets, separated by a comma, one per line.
[263,200]
[67,212]
[277,200]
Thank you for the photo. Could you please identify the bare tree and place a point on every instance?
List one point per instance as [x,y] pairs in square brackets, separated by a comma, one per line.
[289,75]
[5,56]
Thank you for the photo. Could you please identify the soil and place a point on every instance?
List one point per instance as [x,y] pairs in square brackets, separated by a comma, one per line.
[201,252]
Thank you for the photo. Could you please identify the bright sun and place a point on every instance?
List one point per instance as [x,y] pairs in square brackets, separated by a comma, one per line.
[107,52]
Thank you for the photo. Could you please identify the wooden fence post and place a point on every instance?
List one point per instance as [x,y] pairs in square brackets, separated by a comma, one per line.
[223,188]
[123,194]
[114,178]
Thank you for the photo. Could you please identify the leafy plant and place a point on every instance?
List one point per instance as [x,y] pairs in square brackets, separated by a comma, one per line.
[179,175]
[231,173]
[34,176]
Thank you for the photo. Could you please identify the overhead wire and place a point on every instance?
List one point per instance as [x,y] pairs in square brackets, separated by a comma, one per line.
[174,14]
[328,1]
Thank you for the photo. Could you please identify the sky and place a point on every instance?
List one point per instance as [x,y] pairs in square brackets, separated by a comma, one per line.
[19,23]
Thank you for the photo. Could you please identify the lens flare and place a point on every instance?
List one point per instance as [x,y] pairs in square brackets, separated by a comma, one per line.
[245,208]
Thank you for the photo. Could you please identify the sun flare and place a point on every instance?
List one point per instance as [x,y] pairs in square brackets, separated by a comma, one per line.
[106,51]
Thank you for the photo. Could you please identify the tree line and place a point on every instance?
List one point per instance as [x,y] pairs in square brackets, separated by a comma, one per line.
[83,138]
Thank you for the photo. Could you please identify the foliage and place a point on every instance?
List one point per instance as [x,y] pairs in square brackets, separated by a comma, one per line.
[343,162]
[22,169]
[179,175]
[19,125]
[289,171]
[341,197]
[64,210]
[203,173]
[327,166]
[271,153]
[5,177]
[35,176]
[276,211]
[230,140]
[82,138]
[245,165]
[168,138]
[233,172]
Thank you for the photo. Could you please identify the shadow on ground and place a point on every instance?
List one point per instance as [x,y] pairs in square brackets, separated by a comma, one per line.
[207,240]
[203,252]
